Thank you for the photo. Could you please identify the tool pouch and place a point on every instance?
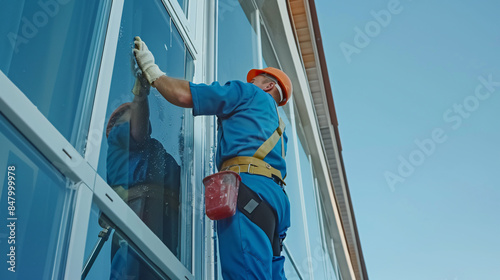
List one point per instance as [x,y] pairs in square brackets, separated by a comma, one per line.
[221,194]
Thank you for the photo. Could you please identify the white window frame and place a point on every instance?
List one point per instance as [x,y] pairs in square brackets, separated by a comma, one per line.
[102,96]
[20,111]
[189,24]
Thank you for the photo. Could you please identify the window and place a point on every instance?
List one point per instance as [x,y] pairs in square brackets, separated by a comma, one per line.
[51,51]
[320,266]
[242,35]
[291,270]
[296,239]
[237,39]
[118,258]
[269,58]
[319,254]
[41,204]
[151,172]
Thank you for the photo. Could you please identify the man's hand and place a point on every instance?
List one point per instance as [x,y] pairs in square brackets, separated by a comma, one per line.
[146,61]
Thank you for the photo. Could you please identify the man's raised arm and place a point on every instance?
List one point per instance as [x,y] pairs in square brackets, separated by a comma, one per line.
[176,91]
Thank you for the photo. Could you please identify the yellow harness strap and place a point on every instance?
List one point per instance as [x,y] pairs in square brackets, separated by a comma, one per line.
[251,165]
[267,146]
[256,164]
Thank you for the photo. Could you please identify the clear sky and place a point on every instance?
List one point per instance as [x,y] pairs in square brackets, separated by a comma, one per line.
[416,85]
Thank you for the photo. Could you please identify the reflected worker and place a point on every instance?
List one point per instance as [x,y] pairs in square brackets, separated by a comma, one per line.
[251,141]
[145,176]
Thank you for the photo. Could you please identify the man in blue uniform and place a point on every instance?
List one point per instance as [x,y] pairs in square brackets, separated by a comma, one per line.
[251,141]
[145,176]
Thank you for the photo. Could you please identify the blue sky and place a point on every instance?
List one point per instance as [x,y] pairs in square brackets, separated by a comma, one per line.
[416,86]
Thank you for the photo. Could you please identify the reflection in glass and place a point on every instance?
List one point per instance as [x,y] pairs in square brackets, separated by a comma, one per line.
[145,154]
[131,261]
[144,175]
[128,262]
[51,52]
[40,202]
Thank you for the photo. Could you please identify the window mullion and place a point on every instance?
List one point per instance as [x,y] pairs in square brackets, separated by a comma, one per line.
[103,85]
[78,235]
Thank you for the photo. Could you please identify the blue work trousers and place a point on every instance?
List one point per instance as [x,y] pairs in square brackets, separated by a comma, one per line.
[245,250]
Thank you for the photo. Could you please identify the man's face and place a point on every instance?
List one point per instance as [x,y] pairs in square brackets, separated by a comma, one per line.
[261,82]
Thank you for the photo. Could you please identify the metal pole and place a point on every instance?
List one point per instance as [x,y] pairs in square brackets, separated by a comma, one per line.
[103,237]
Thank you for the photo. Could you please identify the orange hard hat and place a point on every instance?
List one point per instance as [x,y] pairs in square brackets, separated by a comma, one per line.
[117,113]
[283,81]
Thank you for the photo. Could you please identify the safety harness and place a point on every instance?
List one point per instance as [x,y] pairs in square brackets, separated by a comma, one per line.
[250,204]
[256,164]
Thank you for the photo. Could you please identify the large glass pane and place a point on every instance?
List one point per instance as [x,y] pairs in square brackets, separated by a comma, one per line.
[321,263]
[296,240]
[51,51]
[238,43]
[127,263]
[269,58]
[290,272]
[291,269]
[318,253]
[35,206]
[242,37]
[146,154]
[330,269]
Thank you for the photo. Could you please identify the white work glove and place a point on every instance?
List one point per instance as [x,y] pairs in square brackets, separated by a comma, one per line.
[146,61]
[141,86]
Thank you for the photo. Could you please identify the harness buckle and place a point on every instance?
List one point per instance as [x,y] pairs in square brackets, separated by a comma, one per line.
[229,167]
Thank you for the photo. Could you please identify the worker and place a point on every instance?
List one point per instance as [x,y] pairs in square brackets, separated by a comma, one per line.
[251,141]
[145,176]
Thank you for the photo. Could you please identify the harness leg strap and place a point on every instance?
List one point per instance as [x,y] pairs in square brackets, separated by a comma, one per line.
[260,213]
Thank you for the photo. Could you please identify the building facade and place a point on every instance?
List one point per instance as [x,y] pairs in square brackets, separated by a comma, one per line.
[67,65]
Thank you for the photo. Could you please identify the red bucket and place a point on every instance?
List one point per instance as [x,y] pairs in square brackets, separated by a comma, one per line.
[221,194]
